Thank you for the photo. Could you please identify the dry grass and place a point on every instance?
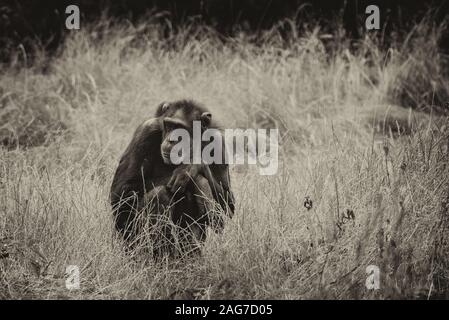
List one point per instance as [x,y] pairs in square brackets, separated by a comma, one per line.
[346,145]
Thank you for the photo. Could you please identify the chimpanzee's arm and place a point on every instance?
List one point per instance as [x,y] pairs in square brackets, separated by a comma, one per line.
[217,174]
[128,183]
[218,177]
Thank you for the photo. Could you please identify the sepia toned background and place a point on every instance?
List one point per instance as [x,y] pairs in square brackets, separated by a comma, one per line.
[363,177]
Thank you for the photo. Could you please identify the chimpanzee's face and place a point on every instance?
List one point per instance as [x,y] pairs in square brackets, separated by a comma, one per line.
[169,124]
[179,116]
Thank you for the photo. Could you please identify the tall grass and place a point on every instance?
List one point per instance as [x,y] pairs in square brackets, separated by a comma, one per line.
[361,139]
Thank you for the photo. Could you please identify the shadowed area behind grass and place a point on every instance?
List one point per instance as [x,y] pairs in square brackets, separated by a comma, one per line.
[374,169]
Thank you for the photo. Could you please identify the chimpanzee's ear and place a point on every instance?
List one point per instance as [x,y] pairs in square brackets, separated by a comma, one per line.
[162,108]
[206,119]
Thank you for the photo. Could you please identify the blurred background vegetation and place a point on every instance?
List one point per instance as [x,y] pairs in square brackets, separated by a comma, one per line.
[364,136]
[32,23]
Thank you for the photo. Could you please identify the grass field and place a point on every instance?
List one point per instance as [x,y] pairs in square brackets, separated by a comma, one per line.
[363,132]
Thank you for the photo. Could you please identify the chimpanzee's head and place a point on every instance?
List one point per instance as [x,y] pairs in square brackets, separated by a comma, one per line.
[180,115]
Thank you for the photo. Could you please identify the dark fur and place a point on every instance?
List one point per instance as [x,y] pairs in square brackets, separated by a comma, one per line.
[141,170]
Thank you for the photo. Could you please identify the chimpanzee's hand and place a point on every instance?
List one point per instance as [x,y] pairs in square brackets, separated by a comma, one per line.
[182,175]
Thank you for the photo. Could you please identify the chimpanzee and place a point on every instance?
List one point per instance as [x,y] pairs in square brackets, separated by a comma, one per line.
[186,192]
